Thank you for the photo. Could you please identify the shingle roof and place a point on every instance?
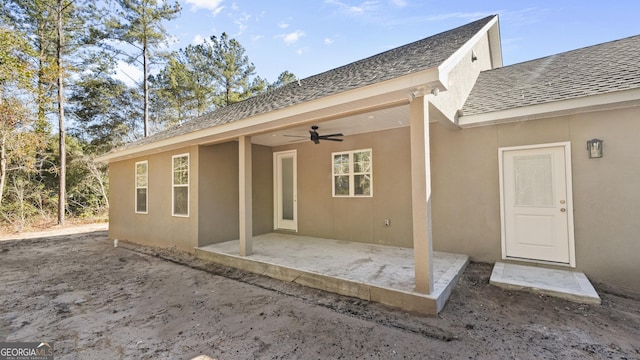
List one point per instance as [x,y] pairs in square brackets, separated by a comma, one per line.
[411,58]
[593,70]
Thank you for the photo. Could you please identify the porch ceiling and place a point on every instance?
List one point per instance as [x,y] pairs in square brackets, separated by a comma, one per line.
[377,120]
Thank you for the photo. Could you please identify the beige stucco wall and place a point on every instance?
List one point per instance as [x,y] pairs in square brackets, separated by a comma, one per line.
[462,78]
[357,219]
[218,211]
[213,198]
[465,192]
[466,198]
[158,227]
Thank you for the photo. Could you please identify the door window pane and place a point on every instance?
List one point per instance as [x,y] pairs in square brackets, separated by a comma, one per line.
[287,188]
[533,180]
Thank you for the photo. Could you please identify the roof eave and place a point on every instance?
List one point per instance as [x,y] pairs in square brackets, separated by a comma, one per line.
[601,102]
[400,88]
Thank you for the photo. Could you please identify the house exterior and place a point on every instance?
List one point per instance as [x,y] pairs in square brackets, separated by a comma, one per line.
[444,150]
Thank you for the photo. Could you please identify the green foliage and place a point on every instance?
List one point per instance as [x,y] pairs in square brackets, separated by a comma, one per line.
[284,78]
[200,78]
[139,24]
[176,89]
[15,67]
[232,69]
[104,112]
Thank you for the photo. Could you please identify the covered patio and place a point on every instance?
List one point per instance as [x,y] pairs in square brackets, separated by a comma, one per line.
[378,273]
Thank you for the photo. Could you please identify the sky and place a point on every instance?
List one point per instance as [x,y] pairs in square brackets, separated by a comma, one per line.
[307,37]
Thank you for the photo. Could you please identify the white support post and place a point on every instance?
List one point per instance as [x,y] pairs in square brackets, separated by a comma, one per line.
[245,198]
[421,194]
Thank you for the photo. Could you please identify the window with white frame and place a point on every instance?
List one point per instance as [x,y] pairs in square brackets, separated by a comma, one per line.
[352,173]
[142,187]
[180,183]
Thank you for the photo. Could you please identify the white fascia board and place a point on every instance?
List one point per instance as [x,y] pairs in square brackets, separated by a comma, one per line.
[409,83]
[495,45]
[458,56]
[615,100]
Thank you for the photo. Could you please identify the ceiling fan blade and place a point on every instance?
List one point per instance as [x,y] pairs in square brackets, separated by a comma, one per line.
[330,139]
[297,136]
[331,135]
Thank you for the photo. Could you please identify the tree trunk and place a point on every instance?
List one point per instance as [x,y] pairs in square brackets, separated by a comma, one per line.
[3,163]
[63,157]
[146,87]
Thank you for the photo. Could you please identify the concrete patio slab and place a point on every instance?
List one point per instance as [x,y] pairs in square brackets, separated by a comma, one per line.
[566,284]
[379,273]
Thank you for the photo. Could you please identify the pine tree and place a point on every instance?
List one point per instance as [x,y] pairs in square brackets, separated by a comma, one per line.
[139,23]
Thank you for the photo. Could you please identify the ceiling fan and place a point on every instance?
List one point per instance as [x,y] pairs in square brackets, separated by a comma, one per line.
[315,137]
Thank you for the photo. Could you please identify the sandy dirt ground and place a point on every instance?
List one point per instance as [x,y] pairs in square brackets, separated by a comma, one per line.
[95,301]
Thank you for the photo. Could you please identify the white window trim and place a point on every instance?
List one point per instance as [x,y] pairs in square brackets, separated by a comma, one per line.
[351,174]
[136,187]
[174,185]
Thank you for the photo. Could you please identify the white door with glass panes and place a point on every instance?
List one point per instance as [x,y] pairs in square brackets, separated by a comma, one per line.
[285,191]
[537,217]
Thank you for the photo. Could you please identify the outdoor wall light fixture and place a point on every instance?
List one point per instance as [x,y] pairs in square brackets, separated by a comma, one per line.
[594,147]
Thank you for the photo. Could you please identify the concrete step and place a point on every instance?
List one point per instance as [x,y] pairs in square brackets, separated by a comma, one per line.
[565,284]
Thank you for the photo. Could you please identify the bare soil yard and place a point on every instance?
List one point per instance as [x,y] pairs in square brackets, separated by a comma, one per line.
[95,301]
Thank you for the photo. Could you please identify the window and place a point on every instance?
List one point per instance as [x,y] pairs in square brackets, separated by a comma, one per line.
[352,173]
[180,182]
[142,185]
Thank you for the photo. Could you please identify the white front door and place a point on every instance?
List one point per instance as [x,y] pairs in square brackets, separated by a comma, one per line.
[285,191]
[536,209]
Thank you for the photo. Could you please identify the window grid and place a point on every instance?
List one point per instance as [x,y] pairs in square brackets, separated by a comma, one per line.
[180,185]
[352,173]
[142,187]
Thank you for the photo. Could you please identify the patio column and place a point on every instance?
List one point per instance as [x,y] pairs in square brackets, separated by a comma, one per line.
[245,198]
[421,194]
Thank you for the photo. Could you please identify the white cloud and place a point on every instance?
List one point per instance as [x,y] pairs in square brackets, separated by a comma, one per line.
[328,41]
[198,39]
[283,25]
[293,37]
[242,23]
[129,74]
[300,51]
[213,5]
[256,37]
[399,3]
[359,9]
